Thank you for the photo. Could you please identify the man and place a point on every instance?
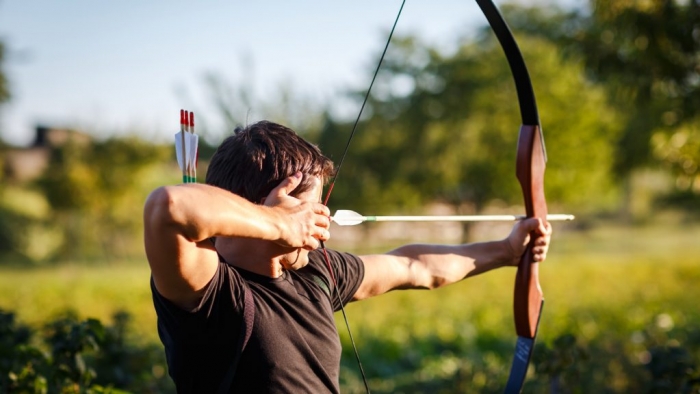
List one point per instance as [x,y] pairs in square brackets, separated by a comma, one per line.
[255,228]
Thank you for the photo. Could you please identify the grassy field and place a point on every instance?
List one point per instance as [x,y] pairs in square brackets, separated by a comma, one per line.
[617,290]
[605,280]
[36,295]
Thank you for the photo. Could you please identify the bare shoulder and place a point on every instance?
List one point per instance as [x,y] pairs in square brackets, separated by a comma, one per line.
[181,267]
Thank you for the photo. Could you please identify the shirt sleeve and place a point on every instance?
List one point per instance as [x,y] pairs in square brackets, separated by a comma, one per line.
[201,343]
[224,292]
[348,271]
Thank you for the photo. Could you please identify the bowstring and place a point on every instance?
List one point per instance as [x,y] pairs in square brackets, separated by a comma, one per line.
[332,184]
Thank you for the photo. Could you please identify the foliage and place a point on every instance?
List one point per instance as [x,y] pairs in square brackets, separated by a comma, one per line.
[646,55]
[26,231]
[77,357]
[4,85]
[429,357]
[455,340]
[444,128]
[566,365]
[619,317]
[620,314]
[439,127]
[622,97]
[678,152]
[87,204]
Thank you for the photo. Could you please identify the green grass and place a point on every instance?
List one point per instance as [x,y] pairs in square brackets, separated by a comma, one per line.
[602,284]
[643,270]
[38,294]
[653,269]
[606,281]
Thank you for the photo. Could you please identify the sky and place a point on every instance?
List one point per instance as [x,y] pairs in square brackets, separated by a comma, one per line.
[113,67]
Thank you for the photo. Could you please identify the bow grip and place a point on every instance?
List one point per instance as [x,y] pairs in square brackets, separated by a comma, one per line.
[530,166]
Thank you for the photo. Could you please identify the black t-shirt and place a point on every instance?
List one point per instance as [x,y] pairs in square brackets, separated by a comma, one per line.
[294,346]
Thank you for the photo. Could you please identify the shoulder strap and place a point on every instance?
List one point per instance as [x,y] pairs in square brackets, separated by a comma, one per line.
[246,330]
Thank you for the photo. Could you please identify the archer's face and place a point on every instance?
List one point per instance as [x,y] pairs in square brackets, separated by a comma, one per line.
[299,258]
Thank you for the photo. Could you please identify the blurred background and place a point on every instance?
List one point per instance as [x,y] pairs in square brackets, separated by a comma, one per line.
[89,99]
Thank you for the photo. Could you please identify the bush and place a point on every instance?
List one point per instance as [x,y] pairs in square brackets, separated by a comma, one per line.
[74,356]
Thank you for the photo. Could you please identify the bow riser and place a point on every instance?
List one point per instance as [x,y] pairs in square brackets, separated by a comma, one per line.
[530,164]
[530,167]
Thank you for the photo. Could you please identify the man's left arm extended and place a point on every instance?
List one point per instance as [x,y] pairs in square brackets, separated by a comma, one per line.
[426,266]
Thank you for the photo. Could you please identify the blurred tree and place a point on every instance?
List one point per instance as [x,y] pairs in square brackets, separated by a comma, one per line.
[647,55]
[96,192]
[679,152]
[4,97]
[4,86]
[26,231]
[444,128]
[8,218]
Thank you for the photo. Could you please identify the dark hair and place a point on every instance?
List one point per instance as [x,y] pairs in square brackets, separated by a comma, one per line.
[257,158]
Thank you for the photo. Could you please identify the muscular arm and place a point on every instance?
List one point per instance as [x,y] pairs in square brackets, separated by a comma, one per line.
[422,266]
[180,220]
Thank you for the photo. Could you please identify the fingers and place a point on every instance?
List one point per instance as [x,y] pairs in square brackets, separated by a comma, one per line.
[286,186]
[320,230]
[307,221]
[320,226]
[537,225]
[539,253]
[323,210]
[541,242]
[522,233]
[544,227]
[309,225]
[315,241]
[323,222]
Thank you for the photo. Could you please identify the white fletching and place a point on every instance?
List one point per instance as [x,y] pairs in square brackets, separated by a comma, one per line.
[178,149]
[191,147]
[344,217]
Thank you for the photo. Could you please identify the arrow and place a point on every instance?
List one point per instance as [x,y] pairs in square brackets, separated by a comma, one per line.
[192,148]
[344,217]
[181,147]
[186,147]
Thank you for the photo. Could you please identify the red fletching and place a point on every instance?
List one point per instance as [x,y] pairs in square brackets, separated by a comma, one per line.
[192,120]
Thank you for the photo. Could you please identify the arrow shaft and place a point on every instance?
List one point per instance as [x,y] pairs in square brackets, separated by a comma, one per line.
[460,218]
[350,218]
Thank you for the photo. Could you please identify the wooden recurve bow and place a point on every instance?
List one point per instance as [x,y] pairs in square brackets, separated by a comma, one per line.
[530,166]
